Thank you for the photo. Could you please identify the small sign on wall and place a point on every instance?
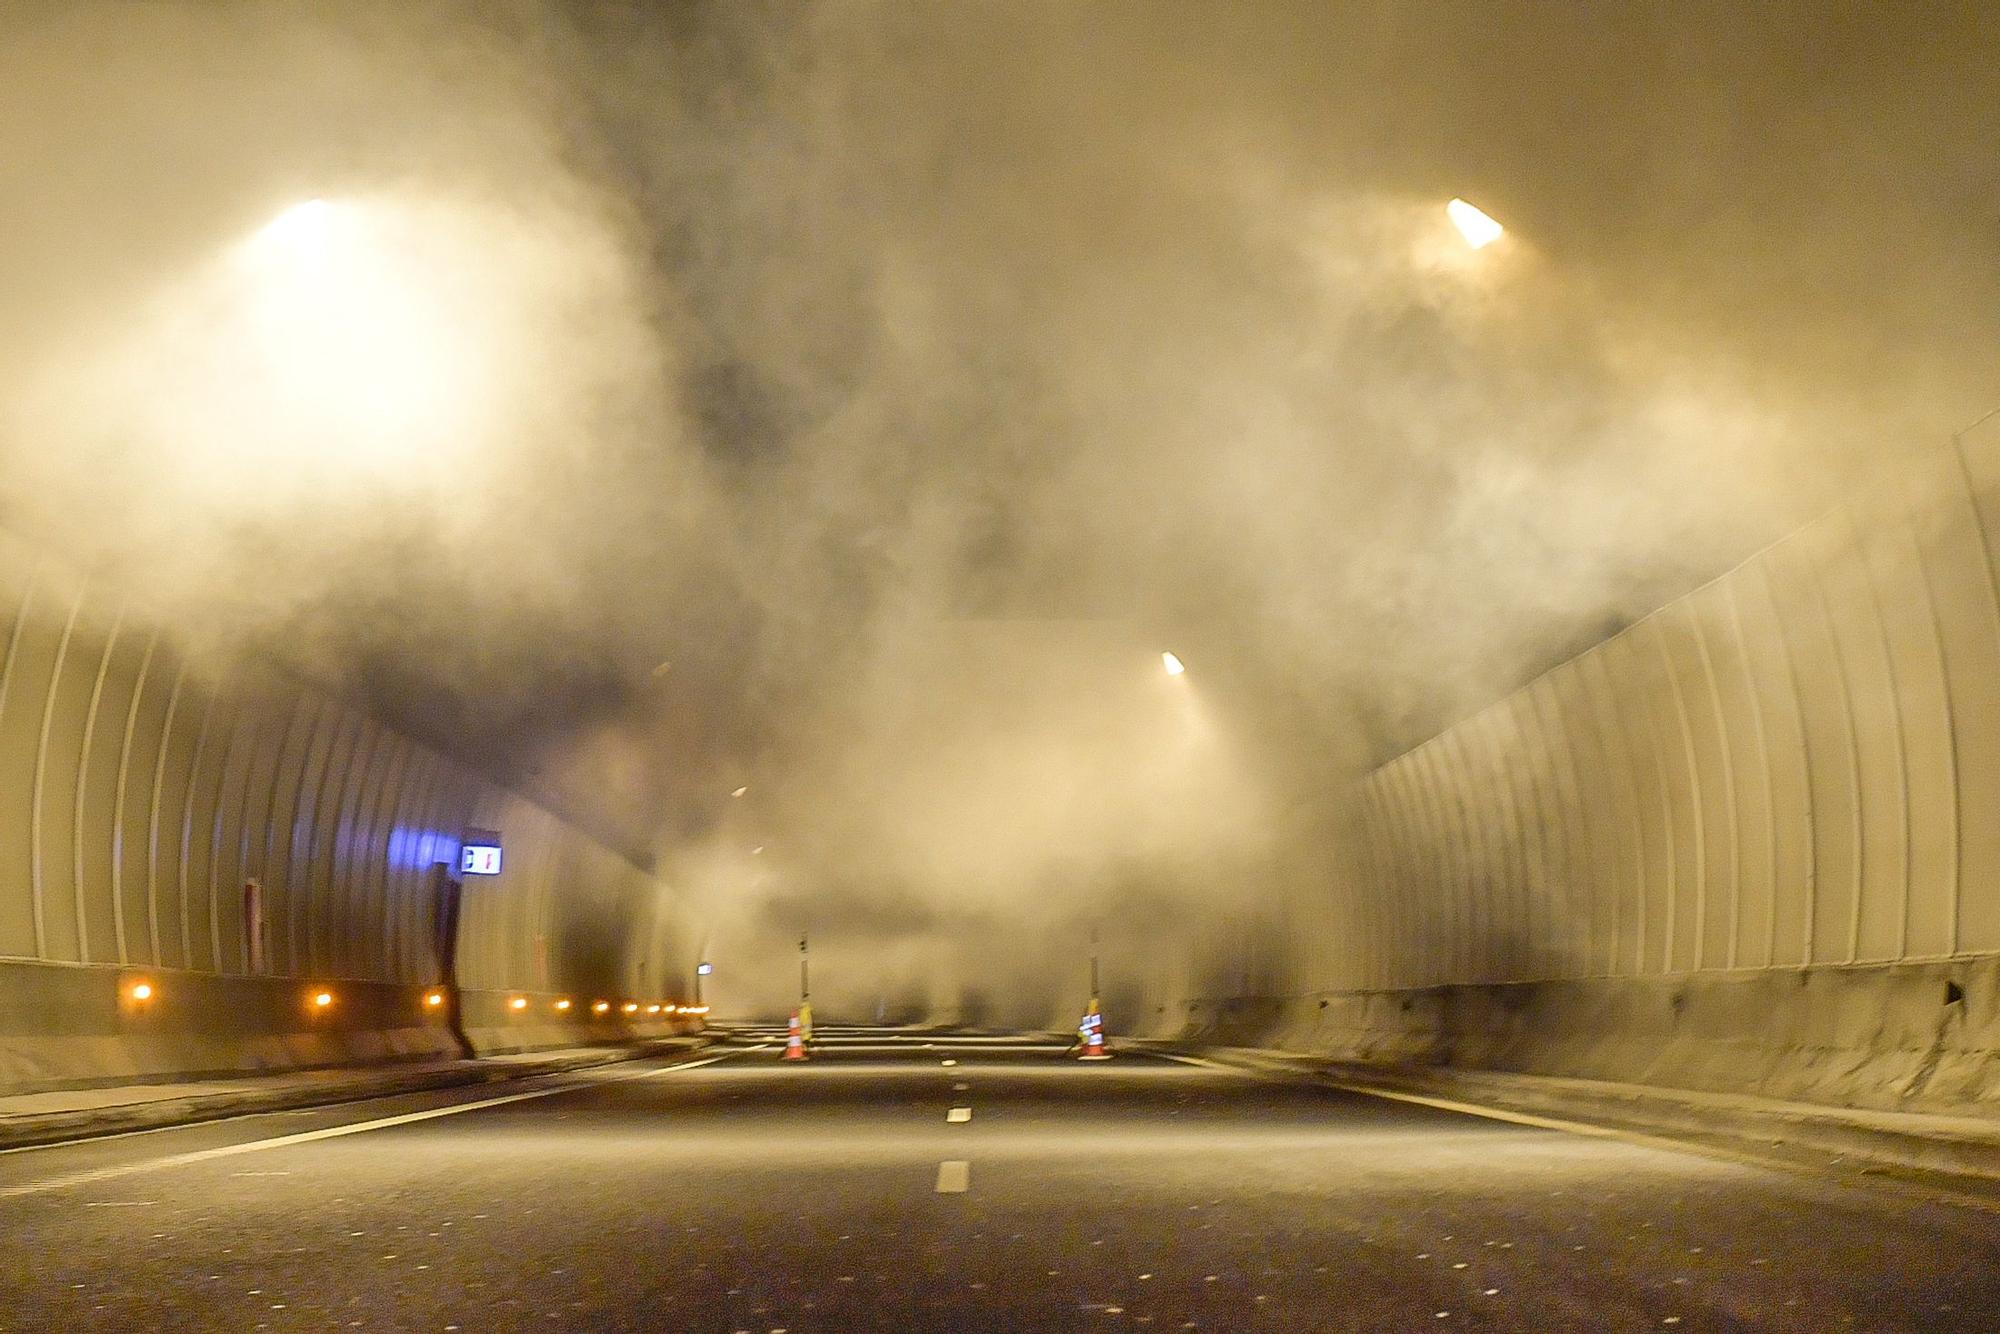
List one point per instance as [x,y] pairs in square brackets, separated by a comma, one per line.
[479,859]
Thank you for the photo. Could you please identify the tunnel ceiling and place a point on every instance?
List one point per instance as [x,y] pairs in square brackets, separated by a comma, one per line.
[850,404]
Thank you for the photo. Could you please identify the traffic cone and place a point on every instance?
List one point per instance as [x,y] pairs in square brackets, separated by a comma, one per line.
[795,1043]
[1093,1035]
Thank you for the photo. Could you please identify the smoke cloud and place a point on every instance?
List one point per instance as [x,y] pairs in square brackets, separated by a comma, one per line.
[851,402]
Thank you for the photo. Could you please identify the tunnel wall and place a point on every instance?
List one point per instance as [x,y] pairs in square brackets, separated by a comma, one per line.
[141,788]
[1751,839]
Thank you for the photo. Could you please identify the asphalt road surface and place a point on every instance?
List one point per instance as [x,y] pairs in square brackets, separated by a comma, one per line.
[921,1182]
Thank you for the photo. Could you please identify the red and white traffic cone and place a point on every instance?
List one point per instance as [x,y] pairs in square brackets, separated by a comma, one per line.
[1093,1035]
[795,1042]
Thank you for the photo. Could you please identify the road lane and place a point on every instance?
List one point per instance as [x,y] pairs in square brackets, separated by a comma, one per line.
[758,1195]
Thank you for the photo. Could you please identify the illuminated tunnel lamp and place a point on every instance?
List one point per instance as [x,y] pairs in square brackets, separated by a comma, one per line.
[652,1009]
[601,1007]
[319,1000]
[704,969]
[518,1003]
[433,998]
[563,1004]
[630,1007]
[1173,664]
[1473,224]
[140,992]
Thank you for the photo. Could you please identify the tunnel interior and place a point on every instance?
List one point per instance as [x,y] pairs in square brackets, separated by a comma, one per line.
[1311,530]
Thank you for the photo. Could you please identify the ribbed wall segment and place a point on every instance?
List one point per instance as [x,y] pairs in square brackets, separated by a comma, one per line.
[140,791]
[1796,764]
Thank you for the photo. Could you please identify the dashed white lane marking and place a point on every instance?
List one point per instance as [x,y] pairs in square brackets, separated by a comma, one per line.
[49,1184]
[951,1062]
[958,1114]
[960,1088]
[954,1176]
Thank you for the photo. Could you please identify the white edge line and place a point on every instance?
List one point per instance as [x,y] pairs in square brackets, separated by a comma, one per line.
[1500,1114]
[1424,1100]
[328,1105]
[1911,1190]
[49,1184]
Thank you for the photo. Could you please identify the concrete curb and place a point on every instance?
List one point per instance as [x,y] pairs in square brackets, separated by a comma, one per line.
[32,1129]
[1916,1142]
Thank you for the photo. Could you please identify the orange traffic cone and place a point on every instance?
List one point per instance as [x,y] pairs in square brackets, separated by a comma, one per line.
[795,1043]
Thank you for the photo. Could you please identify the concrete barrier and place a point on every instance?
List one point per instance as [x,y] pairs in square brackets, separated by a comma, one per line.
[1891,1037]
[497,1022]
[73,1026]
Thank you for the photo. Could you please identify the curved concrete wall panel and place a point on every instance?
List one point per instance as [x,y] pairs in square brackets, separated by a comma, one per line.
[141,791]
[1797,764]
